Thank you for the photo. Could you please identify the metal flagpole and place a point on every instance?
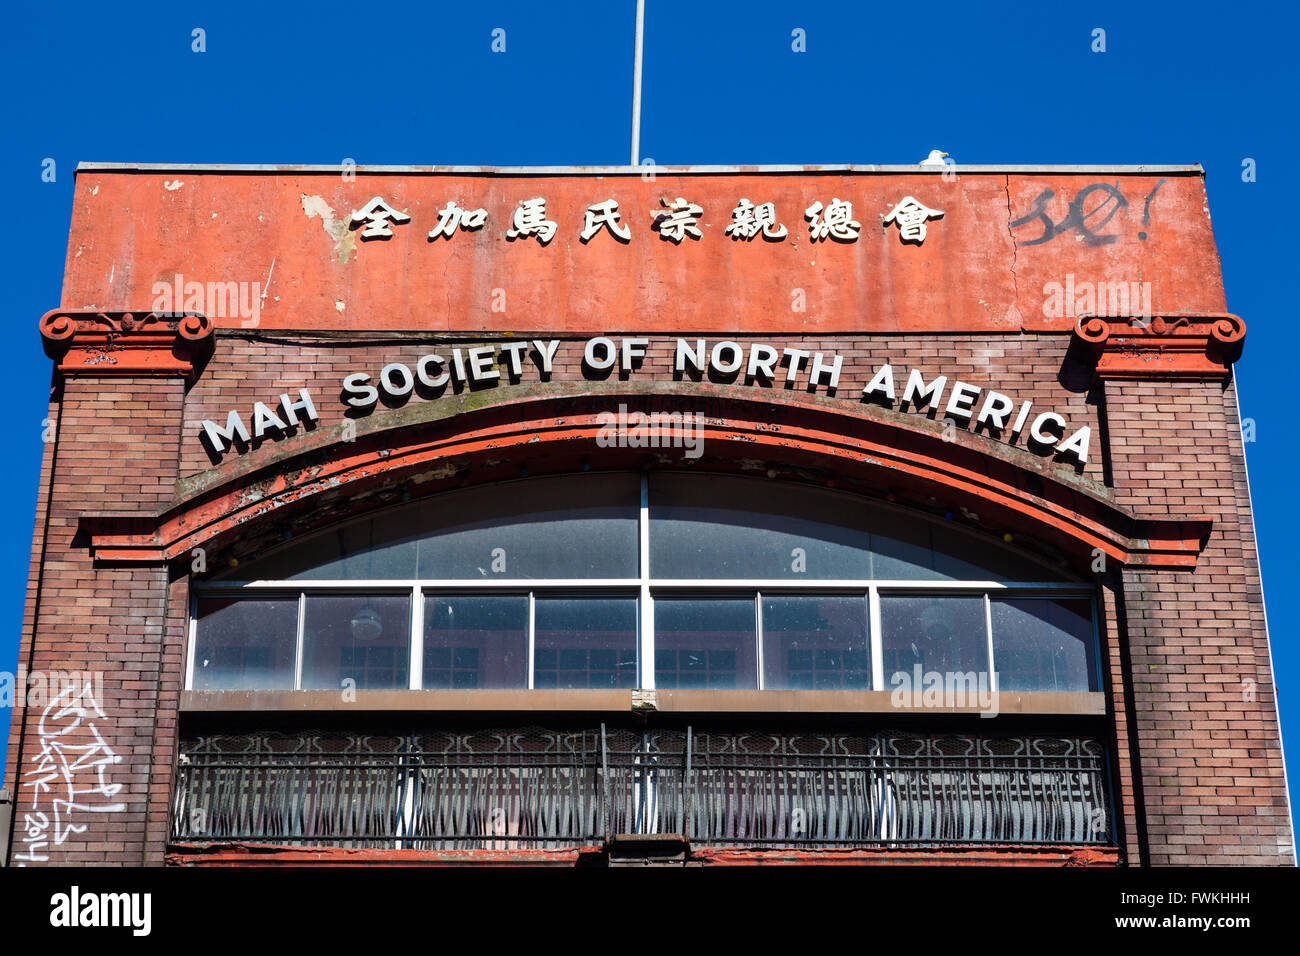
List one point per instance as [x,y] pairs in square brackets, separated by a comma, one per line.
[636,85]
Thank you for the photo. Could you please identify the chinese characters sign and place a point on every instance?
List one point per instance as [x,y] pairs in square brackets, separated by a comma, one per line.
[580,252]
[680,219]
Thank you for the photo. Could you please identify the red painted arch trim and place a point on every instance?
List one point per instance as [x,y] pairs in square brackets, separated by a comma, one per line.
[855,446]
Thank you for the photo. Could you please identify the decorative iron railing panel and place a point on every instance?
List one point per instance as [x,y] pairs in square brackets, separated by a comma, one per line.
[533,787]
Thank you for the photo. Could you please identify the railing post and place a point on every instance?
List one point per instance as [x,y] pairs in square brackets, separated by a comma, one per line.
[687,790]
[604,769]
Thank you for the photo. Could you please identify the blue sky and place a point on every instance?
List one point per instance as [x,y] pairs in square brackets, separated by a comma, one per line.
[398,83]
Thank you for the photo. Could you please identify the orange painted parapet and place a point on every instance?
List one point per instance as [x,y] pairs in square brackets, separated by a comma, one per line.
[1181,347]
[91,342]
[285,247]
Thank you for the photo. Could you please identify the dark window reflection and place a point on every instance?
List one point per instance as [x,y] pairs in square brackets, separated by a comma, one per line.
[1044,644]
[364,638]
[476,641]
[940,634]
[815,643]
[585,642]
[705,643]
[245,643]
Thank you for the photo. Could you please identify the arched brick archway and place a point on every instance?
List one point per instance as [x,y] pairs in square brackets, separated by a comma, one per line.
[315,478]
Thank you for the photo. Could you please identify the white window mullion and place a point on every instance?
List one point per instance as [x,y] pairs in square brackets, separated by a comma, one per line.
[532,638]
[416,676]
[194,639]
[646,618]
[876,638]
[988,630]
[297,654]
[758,635]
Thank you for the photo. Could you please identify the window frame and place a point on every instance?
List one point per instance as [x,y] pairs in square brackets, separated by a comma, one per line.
[644,588]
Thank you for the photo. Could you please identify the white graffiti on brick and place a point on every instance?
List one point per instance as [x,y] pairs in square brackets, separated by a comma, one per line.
[70,773]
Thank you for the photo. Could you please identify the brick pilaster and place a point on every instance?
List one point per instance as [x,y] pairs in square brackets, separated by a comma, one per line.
[1210,761]
[90,755]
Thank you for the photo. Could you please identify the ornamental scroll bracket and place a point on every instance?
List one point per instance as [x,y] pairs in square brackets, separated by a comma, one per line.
[1184,347]
[98,343]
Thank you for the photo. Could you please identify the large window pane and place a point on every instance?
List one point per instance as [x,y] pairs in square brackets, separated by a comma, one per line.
[943,634]
[1044,644]
[907,547]
[245,643]
[701,527]
[815,643]
[707,526]
[566,527]
[705,642]
[473,640]
[585,642]
[717,526]
[365,638]
[542,528]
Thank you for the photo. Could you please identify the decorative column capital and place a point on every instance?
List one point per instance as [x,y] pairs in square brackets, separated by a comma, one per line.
[1188,347]
[91,342]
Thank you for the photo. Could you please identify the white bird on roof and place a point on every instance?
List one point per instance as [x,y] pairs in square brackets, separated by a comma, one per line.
[936,158]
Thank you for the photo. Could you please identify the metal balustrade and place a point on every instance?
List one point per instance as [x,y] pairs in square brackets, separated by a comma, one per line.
[539,788]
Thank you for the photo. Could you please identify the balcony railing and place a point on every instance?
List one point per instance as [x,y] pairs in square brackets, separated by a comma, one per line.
[543,788]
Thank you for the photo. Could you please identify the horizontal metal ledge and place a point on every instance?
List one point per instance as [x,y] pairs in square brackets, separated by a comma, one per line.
[182,853]
[623,170]
[622,701]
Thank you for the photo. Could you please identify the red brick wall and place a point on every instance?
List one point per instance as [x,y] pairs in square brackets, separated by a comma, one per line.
[260,367]
[1199,770]
[1125,788]
[1208,749]
[34,574]
[116,450]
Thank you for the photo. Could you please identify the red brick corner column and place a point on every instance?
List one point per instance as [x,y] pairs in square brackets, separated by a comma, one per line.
[1205,737]
[92,733]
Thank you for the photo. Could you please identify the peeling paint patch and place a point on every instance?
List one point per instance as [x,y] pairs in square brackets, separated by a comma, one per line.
[446,470]
[340,306]
[336,229]
[174,185]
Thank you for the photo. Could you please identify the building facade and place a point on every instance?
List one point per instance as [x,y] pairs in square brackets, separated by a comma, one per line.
[606,516]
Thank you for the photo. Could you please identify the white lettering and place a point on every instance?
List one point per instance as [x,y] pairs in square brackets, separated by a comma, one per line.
[881,384]
[355,384]
[222,438]
[917,390]
[995,410]
[961,400]
[1036,431]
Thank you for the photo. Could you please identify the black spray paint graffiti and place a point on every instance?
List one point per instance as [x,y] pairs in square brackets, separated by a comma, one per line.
[1146,210]
[1087,220]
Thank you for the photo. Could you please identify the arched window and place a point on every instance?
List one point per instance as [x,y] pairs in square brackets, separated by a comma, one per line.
[620,580]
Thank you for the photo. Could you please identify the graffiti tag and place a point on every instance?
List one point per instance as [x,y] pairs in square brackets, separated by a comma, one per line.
[70,775]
